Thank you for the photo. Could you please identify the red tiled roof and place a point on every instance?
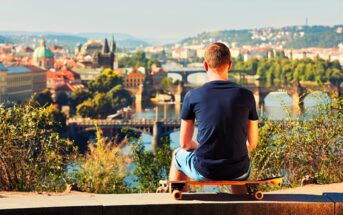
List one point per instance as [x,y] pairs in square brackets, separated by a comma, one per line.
[63,73]
[70,87]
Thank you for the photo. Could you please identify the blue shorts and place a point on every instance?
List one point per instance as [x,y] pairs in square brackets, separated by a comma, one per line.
[184,161]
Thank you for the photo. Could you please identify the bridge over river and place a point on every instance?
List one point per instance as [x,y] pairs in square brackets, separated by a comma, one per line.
[185,72]
[156,128]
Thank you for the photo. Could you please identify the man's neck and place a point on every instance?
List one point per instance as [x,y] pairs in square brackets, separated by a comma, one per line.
[217,75]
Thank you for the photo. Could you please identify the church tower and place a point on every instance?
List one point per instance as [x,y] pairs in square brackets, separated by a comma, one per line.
[106,57]
[113,45]
[105,48]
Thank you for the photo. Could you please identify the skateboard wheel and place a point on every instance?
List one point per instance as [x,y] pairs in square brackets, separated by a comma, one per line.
[258,195]
[177,194]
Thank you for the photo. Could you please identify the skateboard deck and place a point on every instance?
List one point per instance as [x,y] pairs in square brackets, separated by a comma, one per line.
[176,187]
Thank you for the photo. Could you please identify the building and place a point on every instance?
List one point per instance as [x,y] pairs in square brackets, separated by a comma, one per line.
[43,57]
[94,54]
[184,53]
[89,48]
[38,79]
[87,74]
[105,58]
[3,73]
[134,79]
[17,83]
[64,80]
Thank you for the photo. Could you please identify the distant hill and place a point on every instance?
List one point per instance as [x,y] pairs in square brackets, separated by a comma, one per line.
[33,38]
[124,41]
[5,39]
[289,37]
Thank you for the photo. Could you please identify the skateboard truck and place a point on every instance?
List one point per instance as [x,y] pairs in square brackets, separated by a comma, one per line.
[176,187]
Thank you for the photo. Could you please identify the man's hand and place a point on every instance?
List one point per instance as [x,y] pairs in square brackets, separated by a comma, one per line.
[252,134]
[186,134]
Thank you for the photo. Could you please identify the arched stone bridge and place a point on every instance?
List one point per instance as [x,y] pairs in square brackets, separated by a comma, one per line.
[185,72]
[155,128]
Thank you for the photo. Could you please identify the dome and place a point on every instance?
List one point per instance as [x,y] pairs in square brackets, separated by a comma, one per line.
[42,52]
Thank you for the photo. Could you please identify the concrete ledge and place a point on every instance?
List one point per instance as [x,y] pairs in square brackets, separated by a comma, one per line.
[337,198]
[196,203]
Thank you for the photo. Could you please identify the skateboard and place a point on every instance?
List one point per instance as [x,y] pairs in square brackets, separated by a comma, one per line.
[176,187]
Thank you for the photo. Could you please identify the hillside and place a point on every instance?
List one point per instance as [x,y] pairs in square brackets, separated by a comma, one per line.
[124,41]
[4,39]
[288,37]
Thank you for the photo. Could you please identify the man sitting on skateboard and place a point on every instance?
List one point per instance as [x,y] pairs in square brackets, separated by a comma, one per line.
[227,126]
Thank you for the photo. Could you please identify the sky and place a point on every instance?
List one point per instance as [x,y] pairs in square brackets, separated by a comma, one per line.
[163,19]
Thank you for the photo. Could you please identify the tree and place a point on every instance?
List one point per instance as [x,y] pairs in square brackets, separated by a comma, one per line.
[336,76]
[86,109]
[119,97]
[138,59]
[102,104]
[300,71]
[79,96]
[150,168]
[43,98]
[309,75]
[167,84]
[62,99]
[105,81]
[57,118]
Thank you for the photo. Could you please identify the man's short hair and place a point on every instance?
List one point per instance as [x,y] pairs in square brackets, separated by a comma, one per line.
[217,55]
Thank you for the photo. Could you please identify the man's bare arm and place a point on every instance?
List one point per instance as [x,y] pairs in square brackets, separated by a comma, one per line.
[252,134]
[186,134]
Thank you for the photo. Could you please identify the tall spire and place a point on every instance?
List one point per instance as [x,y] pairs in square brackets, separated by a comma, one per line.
[105,48]
[113,45]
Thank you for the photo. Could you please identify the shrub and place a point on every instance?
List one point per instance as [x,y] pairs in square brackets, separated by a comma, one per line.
[32,156]
[302,147]
[103,168]
[151,168]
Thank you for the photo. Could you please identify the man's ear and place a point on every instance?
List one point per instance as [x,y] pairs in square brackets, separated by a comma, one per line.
[206,66]
[230,66]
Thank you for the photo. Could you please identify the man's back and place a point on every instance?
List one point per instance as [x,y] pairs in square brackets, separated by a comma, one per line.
[227,126]
[222,110]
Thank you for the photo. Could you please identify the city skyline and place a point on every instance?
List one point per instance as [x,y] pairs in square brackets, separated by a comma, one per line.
[164,21]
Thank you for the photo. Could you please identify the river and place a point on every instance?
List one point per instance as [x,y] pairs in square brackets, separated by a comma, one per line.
[272,102]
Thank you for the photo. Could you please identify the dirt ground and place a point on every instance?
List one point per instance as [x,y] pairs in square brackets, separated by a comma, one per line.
[307,189]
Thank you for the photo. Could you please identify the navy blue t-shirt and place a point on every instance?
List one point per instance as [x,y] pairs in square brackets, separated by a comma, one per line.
[222,110]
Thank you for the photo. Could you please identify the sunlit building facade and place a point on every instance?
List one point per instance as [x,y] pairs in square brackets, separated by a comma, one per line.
[134,79]
[17,83]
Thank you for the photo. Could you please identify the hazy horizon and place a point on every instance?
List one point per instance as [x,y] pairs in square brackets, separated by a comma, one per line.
[163,21]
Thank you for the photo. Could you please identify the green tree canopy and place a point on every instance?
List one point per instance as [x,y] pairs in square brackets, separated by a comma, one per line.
[43,98]
[86,109]
[62,99]
[105,81]
[138,59]
[119,98]
[79,96]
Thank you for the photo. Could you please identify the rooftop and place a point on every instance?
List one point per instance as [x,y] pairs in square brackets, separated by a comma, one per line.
[2,67]
[18,69]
